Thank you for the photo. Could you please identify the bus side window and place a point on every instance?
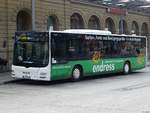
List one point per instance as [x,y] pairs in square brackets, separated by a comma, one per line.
[71,51]
[138,51]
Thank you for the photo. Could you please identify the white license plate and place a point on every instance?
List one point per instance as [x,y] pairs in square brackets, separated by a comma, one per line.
[26,77]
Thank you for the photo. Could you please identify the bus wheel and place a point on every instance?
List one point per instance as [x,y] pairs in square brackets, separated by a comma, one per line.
[126,68]
[76,73]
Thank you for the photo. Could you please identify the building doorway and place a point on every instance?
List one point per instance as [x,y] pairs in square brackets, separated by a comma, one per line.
[24,21]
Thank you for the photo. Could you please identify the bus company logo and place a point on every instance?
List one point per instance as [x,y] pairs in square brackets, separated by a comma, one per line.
[96,57]
[103,67]
[140,59]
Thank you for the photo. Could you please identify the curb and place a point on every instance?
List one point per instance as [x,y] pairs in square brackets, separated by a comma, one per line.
[10,81]
[6,82]
[5,77]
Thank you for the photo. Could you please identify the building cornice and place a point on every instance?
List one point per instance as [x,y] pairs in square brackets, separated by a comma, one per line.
[138,13]
[88,3]
[105,7]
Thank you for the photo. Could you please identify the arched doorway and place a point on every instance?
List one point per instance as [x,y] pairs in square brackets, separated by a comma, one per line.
[24,21]
[144,29]
[144,32]
[76,21]
[135,28]
[123,28]
[109,24]
[94,22]
[53,21]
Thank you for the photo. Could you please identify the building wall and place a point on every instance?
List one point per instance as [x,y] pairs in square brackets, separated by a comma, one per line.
[62,10]
[3,31]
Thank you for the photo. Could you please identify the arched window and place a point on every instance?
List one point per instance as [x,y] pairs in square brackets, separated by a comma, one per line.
[135,28]
[109,24]
[123,29]
[77,21]
[53,21]
[144,29]
[24,21]
[94,23]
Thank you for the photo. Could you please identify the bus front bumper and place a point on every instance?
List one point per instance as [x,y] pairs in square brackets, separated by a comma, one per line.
[30,73]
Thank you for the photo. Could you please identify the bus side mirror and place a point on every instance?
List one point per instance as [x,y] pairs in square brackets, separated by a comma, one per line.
[54,61]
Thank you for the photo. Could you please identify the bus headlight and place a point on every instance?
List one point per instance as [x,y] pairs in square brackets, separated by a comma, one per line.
[12,72]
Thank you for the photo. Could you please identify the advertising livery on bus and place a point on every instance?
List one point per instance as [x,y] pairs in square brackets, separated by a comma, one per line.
[74,54]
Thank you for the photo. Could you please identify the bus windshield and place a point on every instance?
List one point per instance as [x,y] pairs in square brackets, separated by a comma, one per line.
[30,52]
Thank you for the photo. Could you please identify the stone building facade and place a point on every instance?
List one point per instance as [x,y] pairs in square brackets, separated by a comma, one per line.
[16,15]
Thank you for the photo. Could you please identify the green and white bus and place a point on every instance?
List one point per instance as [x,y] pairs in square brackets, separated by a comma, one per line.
[57,55]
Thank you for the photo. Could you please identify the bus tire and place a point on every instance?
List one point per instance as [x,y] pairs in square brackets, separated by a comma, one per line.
[126,68]
[76,73]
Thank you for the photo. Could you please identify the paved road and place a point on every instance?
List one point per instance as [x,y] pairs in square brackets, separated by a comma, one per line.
[109,94]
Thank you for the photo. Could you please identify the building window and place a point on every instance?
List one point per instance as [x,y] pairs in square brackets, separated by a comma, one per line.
[4,44]
[144,30]
[24,21]
[77,21]
[109,24]
[123,29]
[94,23]
[135,28]
[53,21]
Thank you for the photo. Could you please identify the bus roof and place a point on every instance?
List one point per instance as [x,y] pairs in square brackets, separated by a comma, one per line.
[85,31]
[94,32]
[124,35]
